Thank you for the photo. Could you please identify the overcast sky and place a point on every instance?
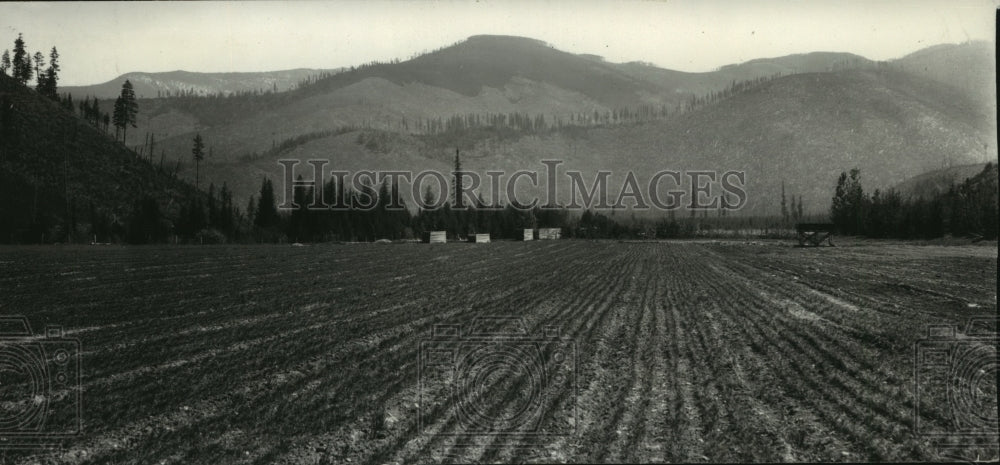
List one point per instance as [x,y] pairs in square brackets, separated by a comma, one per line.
[99,41]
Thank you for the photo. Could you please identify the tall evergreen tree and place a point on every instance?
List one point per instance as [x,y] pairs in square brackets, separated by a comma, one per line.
[118,116]
[22,62]
[226,213]
[47,82]
[131,105]
[784,207]
[457,181]
[126,109]
[95,112]
[251,211]
[198,153]
[213,208]
[5,62]
[298,222]
[841,208]
[39,74]
[266,211]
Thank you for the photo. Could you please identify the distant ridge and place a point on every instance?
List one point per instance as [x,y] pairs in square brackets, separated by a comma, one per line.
[828,112]
[970,66]
[483,74]
[150,85]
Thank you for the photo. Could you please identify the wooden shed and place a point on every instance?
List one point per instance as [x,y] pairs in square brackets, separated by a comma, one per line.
[529,235]
[479,238]
[549,233]
[435,237]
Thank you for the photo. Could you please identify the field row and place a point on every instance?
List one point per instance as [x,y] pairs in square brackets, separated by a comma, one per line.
[610,352]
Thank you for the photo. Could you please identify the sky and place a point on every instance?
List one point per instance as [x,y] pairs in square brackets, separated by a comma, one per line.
[98,41]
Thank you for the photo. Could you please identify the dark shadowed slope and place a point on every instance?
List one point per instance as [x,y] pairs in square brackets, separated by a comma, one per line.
[54,166]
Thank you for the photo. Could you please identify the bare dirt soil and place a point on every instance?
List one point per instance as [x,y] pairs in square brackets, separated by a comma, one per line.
[618,352]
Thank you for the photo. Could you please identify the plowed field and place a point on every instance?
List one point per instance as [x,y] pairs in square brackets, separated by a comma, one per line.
[551,351]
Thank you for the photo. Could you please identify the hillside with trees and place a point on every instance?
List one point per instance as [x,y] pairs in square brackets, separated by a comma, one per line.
[892,122]
[966,209]
[506,103]
[893,125]
[938,181]
[63,178]
[484,75]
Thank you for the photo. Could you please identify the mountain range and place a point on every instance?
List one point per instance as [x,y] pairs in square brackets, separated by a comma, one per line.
[150,85]
[796,121]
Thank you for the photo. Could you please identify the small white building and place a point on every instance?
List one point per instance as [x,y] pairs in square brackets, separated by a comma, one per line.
[435,237]
[549,233]
[479,238]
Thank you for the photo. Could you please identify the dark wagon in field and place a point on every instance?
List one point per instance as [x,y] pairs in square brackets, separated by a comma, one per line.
[814,234]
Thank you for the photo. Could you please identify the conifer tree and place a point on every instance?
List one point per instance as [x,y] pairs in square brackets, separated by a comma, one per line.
[21,62]
[198,153]
[126,109]
[784,207]
[47,81]
[39,75]
[5,62]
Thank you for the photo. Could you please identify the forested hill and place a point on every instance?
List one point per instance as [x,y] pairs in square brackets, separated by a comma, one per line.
[59,174]
[800,130]
[509,102]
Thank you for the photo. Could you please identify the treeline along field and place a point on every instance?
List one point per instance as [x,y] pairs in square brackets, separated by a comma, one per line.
[684,351]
